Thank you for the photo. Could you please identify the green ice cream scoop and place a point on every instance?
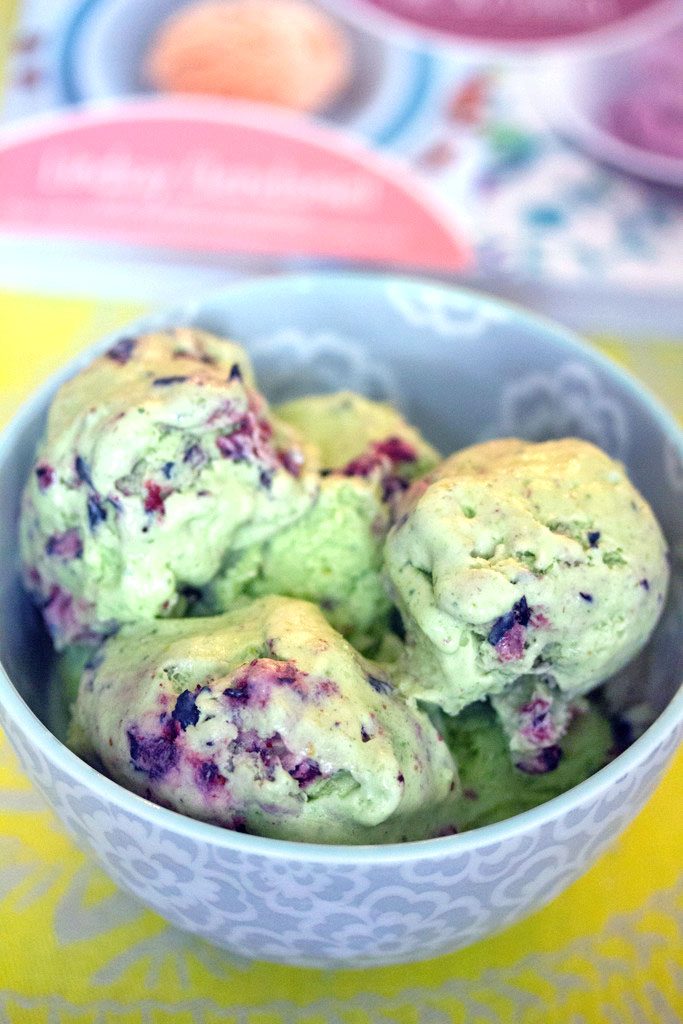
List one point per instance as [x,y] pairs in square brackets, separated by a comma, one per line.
[515,558]
[332,555]
[359,436]
[493,788]
[158,459]
[265,720]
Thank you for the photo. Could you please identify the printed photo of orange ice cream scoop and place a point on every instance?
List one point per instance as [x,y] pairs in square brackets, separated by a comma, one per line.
[285,52]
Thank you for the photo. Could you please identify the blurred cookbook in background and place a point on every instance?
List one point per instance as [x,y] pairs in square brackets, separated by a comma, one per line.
[152,149]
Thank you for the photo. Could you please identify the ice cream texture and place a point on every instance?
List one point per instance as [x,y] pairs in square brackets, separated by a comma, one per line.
[493,788]
[515,558]
[265,720]
[174,530]
[357,436]
[159,458]
[286,52]
[332,555]
[534,716]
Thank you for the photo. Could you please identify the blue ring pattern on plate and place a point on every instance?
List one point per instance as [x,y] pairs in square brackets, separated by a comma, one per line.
[415,100]
[67,70]
[422,74]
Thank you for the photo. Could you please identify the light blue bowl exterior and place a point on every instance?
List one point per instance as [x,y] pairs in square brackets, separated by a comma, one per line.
[464,367]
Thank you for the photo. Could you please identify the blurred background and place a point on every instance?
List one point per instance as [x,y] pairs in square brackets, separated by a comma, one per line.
[151,150]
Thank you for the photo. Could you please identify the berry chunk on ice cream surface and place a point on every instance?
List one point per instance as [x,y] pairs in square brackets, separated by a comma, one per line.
[357,436]
[514,558]
[265,720]
[535,716]
[158,458]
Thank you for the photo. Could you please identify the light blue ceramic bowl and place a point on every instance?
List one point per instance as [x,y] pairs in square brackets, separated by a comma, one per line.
[463,367]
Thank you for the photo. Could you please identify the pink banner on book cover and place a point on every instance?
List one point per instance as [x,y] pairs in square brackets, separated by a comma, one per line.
[519,21]
[239,179]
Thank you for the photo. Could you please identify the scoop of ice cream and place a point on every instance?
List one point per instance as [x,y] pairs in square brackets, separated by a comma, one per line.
[357,436]
[158,459]
[515,558]
[332,555]
[285,52]
[265,720]
[493,788]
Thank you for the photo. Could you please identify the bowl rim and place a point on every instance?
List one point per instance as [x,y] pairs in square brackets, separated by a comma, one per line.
[16,709]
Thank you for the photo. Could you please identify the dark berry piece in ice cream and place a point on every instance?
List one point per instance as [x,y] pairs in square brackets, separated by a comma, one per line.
[186,712]
[97,513]
[209,775]
[163,382]
[380,685]
[510,647]
[240,692]
[292,460]
[195,456]
[392,485]
[45,475]
[65,545]
[83,471]
[155,496]
[306,772]
[522,611]
[520,614]
[396,449]
[500,627]
[545,760]
[122,350]
[155,755]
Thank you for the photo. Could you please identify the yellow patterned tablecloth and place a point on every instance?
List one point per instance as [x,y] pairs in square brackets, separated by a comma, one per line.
[75,950]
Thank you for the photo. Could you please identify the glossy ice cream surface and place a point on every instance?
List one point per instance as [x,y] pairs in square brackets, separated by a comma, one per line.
[265,720]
